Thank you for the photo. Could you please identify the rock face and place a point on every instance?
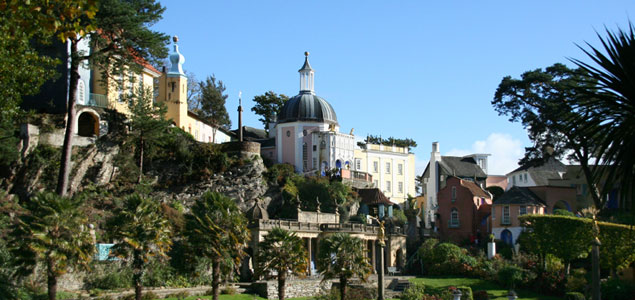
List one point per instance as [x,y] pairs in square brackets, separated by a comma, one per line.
[95,165]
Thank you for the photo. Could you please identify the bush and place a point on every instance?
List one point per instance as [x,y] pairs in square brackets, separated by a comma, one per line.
[615,289]
[577,281]
[228,290]
[510,275]
[574,296]
[481,295]
[466,292]
[180,295]
[415,291]
[109,276]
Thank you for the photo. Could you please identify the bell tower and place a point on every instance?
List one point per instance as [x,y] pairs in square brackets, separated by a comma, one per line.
[173,87]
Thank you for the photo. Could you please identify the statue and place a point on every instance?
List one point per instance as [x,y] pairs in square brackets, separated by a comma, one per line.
[381,235]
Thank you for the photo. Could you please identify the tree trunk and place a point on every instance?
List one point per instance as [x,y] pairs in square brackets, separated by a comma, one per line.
[343,283]
[51,280]
[65,161]
[282,279]
[140,160]
[138,274]
[215,278]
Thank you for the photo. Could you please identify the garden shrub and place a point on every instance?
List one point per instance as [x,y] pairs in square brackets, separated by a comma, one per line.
[615,289]
[466,292]
[574,296]
[228,290]
[510,275]
[481,295]
[577,282]
[414,291]
[180,295]
[109,276]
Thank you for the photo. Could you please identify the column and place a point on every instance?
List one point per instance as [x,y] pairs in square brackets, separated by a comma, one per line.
[308,250]
[374,256]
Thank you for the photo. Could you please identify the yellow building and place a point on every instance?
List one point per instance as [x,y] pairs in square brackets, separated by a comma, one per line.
[112,92]
[392,169]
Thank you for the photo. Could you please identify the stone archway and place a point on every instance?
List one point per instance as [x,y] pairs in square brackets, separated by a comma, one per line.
[88,124]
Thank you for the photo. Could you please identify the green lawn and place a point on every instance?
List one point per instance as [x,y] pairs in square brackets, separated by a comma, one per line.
[495,291]
[225,297]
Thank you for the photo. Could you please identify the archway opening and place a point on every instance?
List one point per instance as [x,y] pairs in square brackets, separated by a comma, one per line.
[506,237]
[87,125]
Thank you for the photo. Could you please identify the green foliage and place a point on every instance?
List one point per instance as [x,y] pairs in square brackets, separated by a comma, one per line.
[570,237]
[279,174]
[281,251]
[415,291]
[212,101]
[378,140]
[563,212]
[148,127]
[108,276]
[607,111]
[576,281]
[51,232]
[574,296]
[510,275]
[342,256]
[481,295]
[216,229]
[398,217]
[616,289]
[143,234]
[268,107]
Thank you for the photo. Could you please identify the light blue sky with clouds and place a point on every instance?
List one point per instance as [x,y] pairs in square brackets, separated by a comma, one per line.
[425,70]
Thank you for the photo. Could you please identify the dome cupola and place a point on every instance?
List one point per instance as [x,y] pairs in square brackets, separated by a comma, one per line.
[176,59]
[307,106]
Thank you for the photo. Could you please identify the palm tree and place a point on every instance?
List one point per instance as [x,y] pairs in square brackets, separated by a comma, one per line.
[142,233]
[216,229]
[281,251]
[609,110]
[342,256]
[52,232]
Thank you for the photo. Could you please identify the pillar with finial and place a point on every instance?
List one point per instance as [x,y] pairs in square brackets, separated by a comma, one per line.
[240,116]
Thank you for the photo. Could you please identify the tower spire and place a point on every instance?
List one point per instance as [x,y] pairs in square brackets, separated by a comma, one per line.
[306,76]
[176,59]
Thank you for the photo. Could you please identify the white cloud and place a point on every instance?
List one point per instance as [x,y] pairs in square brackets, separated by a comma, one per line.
[504,149]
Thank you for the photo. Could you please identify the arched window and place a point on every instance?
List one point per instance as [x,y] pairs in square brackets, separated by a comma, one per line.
[454,218]
[453,193]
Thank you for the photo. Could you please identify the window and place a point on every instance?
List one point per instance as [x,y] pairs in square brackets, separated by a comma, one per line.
[513,179]
[523,210]
[376,183]
[387,168]
[400,169]
[314,147]
[305,157]
[505,220]
[304,132]
[453,193]
[400,187]
[454,218]
[358,164]
[525,175]
[375,166]
[314,163]
[388,185]
[288,133]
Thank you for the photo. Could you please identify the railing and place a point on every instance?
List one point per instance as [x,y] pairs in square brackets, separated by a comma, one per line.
[285,224]
[354,227]
[98,100]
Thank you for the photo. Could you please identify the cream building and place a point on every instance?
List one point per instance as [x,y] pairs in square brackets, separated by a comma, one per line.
[392,169]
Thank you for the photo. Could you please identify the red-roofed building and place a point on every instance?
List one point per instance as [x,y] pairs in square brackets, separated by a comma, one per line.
[464,209]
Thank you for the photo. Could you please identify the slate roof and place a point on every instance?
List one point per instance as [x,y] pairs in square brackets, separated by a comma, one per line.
[542,171]
[373,196]
[251,133]
[461,167]
[519,195]
[475,189]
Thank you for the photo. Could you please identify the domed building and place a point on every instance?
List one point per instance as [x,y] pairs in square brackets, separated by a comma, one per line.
[307,133]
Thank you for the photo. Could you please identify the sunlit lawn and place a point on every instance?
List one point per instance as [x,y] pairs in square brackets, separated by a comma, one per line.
[494,290]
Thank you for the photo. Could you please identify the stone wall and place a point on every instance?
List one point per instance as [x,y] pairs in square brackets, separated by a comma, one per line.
[318,217]
[248,147]
[293,288]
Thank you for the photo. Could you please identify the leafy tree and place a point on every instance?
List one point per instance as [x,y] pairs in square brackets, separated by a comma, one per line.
[53,232]
[391,141]
[281,251]
[216,229]
[212,102]
[268,107]
[342,256]
[123,39]
[142,233]
[148,126]
[193,92]
[542,100]
[608,108]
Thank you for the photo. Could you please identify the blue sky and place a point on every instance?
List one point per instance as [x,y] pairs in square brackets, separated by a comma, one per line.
[425,70]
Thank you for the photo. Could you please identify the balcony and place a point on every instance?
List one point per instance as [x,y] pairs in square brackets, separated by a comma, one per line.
[98,100]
